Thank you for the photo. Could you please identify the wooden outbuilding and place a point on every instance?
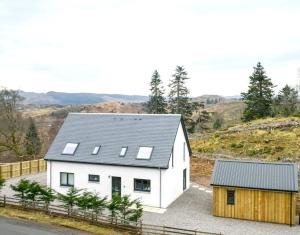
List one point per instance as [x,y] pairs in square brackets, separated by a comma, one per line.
[259,191]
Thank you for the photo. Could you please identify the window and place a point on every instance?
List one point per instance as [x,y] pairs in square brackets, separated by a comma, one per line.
[142,185]
[144,153]
[70,148]
[230,197]
[184,179]
[96,150]
[66,179]
[123,151]
[94,178]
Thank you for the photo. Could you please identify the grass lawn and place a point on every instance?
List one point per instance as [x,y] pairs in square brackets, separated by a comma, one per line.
[56,220]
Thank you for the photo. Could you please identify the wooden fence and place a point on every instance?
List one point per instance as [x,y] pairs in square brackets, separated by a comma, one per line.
[100,220]
[16,169]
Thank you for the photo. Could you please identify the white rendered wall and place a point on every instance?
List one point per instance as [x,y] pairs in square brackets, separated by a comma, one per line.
[172,178]
[81,172]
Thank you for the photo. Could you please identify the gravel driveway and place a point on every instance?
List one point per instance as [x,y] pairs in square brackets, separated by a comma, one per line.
[40,178]
[192,210]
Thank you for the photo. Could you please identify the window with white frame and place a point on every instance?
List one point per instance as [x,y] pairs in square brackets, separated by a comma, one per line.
[96,150]
[144,153]
[70,148]
[123,151]
[66,179]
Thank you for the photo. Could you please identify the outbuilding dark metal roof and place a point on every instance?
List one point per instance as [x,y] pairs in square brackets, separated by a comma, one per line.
[114,131]
[256,175]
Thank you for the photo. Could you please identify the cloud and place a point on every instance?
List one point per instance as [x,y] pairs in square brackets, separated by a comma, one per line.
[114,46]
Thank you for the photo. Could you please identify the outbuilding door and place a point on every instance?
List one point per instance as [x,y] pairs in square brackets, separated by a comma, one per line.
[116,185]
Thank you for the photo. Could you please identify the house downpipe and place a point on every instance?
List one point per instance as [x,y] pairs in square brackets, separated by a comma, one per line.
[291,208]
[50,174]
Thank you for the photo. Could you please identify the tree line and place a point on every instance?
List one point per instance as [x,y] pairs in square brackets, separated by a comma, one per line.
[18,135]
[29,193]
[177,101]
[261,101]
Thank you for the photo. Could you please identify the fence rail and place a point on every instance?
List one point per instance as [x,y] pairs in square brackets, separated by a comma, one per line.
[16,169]
[99,219]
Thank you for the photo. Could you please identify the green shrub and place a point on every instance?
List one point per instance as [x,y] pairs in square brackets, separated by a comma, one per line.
[69,200]
[2,183]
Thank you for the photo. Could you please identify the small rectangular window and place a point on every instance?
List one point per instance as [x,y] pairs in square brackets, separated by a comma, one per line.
[144,153]
[123,151]
[142,185]
[66,179]
[94,178]
[230,197]
[96,150]
[70,148]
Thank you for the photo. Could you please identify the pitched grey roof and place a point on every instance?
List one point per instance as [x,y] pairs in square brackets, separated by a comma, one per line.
[258,175]
[114,131]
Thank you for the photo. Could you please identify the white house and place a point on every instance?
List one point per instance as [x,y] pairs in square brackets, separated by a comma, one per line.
[146,156]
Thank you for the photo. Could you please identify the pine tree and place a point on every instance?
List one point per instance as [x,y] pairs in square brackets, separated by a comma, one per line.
[157,102]
[258,98]
[32,140]
[286,101]
[179,101]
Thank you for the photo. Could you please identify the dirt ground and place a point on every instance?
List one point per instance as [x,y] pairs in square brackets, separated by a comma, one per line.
[201,170]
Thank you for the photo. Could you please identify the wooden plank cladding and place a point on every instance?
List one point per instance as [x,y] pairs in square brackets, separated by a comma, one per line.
[255,204]
[22,168]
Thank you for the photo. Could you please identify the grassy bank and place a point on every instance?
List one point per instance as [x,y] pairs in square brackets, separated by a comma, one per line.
[56,220]
[257,139]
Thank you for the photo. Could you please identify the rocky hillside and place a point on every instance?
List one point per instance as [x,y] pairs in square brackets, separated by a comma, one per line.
[267,139]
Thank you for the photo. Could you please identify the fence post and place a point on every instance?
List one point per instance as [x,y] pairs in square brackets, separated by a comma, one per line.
[21,169]
[10,171]
[164,229]
[4,201]
[29,167]
[141,226]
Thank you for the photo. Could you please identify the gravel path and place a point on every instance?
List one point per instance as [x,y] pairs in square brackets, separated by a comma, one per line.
[39,177]
[192,210]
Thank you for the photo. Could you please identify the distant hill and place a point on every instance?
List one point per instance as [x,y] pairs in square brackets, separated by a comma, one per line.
[209,99]
[63,98]
[213,99]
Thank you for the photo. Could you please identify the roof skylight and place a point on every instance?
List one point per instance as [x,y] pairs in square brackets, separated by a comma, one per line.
[144,153]
[96,150]
[70,148]
[123,151]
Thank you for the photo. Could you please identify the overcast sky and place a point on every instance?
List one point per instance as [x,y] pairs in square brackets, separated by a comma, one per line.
[114,46]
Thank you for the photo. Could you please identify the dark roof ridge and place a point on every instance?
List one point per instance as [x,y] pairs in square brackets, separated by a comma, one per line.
[256,162]
[125,114]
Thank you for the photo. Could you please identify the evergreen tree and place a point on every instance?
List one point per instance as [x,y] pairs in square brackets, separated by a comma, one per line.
[286,101]
[157,102]
[258,98]
[179,102]
[32,140]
